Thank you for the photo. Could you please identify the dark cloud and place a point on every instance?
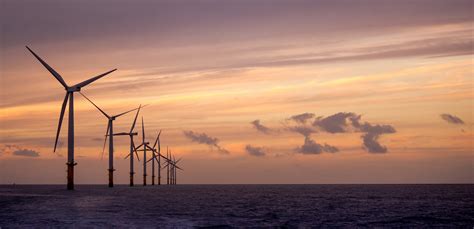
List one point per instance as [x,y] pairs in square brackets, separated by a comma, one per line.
[26,153]
[452,119]
[311,147]
[336,123]
[372,134]
[342,122]
[301,118]
[257,125]
[255,151]
[203,138]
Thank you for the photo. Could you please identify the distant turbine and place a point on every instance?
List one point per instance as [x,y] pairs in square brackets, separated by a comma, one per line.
[145,146]
[175,165]
[157,156]
[168,166]
[154,158]
[109,132]
[171,167]
[69,95]
[132,145]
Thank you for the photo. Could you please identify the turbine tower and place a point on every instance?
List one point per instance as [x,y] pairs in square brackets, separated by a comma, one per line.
[69,97]
[132,145]
[167,166]
[109,132]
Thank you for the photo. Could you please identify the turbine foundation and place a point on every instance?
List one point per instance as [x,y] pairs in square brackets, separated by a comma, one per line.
[70,175]
[111,178]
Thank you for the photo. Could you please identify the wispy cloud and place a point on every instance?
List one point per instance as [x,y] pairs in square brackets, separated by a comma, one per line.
[452,119]
[26,153]
[203,138]
[301,118]
[18,151]
[255,151]
[261,128]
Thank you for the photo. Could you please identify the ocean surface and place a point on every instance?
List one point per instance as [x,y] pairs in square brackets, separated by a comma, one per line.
[182,206]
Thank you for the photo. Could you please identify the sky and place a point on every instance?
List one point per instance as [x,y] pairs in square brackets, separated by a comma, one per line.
[251,92]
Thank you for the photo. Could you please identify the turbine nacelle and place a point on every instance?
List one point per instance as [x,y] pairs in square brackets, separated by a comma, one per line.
[73,89]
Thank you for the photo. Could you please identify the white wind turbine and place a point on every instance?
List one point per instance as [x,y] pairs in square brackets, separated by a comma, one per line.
[109,132]
[132,146]
[69,96]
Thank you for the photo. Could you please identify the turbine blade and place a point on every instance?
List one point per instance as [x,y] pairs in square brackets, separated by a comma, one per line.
[103,112]
[157,139]
[159,146]
[135,120]
[135,150]
[105,140]
[87,82]
[128,155]
[143,130]
[125,112]
[61,116]
[50,69]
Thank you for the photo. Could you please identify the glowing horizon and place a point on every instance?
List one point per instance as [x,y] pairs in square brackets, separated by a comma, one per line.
[402,67]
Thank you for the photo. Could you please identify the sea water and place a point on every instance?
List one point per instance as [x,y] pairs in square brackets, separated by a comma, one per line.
[182,206]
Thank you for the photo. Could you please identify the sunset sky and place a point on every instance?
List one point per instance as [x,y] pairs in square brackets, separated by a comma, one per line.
[245,91]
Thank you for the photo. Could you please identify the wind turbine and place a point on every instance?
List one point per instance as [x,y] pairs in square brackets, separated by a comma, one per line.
[145,146]
[171,167]
[157,156]
[175,166]
[109,132]
[154,158]
[132,145]
[69,96]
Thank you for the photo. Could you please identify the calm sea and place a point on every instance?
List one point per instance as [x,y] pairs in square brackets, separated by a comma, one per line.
[181,206]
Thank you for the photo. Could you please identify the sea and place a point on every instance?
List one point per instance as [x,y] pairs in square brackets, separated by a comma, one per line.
[240,206]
